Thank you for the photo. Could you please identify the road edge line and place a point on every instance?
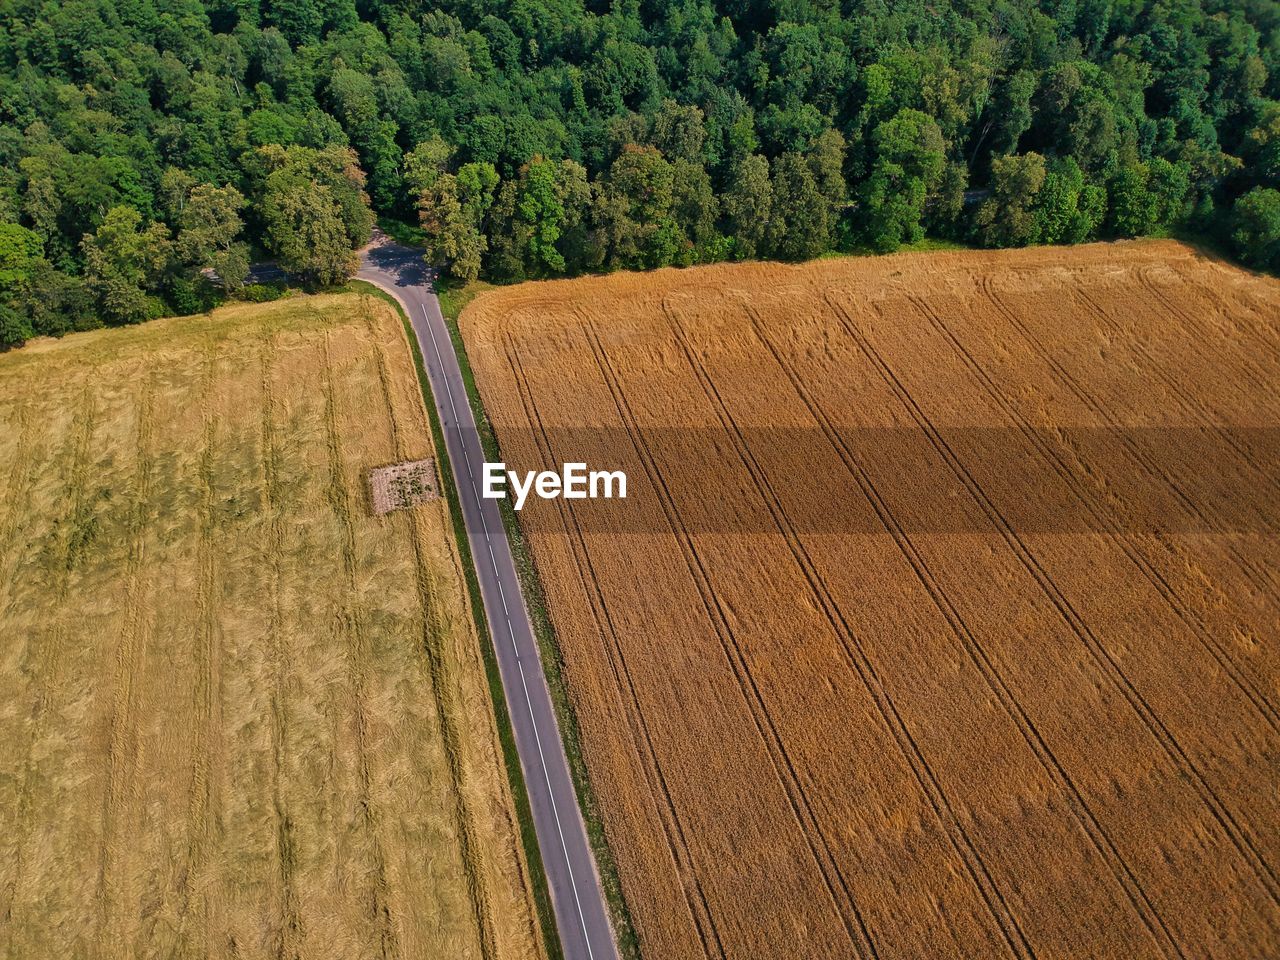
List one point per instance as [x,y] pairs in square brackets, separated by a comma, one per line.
[541,890]
[606,865]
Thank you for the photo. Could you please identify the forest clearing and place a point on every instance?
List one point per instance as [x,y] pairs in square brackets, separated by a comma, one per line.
[942,618]
[241,716]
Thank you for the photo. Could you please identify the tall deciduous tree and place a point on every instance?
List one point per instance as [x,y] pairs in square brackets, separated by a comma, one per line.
[748,206]
[20,250]
[208,231]
[1257,227]
[306,231]
[910,159]
[314,210]
[452,229]
[1008,217]
[540,210]
[124,261]
[801,225]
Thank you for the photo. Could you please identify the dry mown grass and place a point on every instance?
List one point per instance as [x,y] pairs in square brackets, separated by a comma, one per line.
[844,689]
[239,716]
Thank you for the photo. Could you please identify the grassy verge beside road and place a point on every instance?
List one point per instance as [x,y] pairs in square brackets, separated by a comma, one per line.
[453,299]
[529,841]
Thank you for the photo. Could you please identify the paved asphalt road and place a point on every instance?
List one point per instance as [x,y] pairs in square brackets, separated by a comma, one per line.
[580,910]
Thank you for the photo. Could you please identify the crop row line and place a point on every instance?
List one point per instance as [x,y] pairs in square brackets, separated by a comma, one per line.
[642,738]
[784,767]
[1221,814]
[1088,820]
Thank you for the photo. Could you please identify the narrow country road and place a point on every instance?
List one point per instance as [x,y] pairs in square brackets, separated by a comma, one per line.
[581,915]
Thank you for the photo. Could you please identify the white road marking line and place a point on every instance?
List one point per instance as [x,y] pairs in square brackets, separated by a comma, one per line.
[556,813]
[527,700]
[440,363]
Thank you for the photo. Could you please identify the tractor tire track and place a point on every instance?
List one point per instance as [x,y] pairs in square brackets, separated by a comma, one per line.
[351,629]
[1263,342]
[1103,844]
[123,752]
[642,739]
[854,923]
[204,800]
[1239,838]
[17,504]
[855,654]
[1228,324]
[48,655]
[1136,452]
[1109,524]
[1124,877]
[1184,396]
[290,935]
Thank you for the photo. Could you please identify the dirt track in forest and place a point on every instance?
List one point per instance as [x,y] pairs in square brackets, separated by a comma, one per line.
[943,615]
[241,716]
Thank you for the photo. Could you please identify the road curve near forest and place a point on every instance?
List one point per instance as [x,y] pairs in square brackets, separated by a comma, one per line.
[581,914]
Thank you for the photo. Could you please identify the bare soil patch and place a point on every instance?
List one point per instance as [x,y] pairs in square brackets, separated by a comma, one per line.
[402,485]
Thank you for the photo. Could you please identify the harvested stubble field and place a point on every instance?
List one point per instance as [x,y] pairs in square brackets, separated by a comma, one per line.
[239,715]
[943,616]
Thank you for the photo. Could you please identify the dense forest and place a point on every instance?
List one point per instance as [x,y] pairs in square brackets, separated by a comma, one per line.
[152,147]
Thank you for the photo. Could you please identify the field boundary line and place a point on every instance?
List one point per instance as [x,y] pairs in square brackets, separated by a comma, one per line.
[599,609]
[531,861]
[861,938]
[1220,813]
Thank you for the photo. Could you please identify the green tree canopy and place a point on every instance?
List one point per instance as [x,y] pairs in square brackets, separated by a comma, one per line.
[1257,227]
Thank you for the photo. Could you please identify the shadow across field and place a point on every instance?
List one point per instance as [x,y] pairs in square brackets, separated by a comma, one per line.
[1183,480]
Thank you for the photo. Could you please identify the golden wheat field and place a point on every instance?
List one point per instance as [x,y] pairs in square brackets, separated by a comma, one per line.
[239,715]
[943,615]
